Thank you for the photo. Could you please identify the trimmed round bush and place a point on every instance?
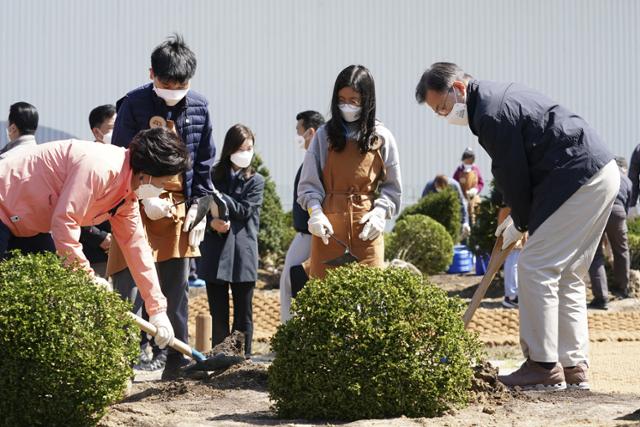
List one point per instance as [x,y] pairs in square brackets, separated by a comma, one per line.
[371,343]
[66,346]
[423,242]
[482,237]
[443,206]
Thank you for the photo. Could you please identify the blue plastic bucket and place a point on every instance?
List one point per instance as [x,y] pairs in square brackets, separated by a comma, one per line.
[462,260]
[482,261]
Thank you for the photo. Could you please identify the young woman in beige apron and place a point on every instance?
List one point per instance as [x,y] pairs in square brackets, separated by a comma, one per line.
[350,180]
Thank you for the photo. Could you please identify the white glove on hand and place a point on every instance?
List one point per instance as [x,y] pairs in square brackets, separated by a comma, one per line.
[472,192]
[466,230]
[102,283]
[319,225]
[374,222]
[510,234]
[164,334]
[196,235]
[157,208]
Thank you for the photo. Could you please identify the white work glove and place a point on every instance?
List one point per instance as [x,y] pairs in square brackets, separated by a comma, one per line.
[633,213]
[102,283]
[197,234]
[466,229]
[157,208]
[472,192]
[510,234]
[374,222]
[319,224]
[164,334]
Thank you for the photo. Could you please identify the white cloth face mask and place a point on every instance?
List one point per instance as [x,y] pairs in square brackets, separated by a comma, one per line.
[350,113]
[458,115]
[171,96]
[148,191]
[106,138]
[242,159]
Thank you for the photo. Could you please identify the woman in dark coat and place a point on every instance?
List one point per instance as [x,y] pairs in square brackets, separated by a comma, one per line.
[230,248]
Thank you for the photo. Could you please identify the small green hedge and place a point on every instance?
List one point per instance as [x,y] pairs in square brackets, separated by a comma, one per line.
[66,347]
[482,237]
[421,241]
[443,206]
[371,343]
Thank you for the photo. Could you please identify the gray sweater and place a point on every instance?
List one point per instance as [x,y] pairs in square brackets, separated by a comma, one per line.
[311,190]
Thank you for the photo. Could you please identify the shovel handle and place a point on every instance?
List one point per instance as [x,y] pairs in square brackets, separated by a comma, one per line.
[175,343]
[498,256]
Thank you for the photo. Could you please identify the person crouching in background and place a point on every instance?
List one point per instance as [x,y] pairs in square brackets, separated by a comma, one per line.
[230,248]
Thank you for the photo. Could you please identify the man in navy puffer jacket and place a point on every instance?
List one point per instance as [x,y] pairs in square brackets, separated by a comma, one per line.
[173,236]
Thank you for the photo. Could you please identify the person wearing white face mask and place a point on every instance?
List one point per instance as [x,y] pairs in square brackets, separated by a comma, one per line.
[350,181]
[64,185]
[96,239]
[307,125]
[169,102]
[21,129]
[560,181]
[470,179]
[230,248]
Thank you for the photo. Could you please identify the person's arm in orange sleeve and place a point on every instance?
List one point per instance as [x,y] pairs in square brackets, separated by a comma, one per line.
[126,228]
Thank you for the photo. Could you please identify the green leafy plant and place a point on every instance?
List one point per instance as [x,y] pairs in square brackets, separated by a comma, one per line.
[422,241]
[371,343]
[633,226]
[443,206]
[274,231]
[482,237]
[634,250]
[66,346]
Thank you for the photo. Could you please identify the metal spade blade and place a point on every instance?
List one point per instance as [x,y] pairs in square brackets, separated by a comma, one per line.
[346,258]
[215,362]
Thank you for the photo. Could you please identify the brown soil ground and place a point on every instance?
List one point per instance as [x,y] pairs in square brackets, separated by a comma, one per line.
[238,396]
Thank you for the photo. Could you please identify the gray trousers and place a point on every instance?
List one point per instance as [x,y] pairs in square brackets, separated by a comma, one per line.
[173,275]
[616,231]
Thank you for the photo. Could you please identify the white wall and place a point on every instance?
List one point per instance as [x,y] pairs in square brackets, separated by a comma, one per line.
[261,62]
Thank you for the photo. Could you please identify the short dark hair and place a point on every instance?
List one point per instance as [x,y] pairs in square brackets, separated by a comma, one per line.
[440,182]
[158,152]
[439,77]
[100,114]
[25,117]
[173,61]
[310,119]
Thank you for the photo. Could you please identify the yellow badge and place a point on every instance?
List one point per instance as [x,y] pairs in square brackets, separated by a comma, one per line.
[157,122]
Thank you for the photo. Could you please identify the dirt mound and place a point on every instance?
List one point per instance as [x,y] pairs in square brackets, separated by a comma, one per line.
[486,388]
[169,391]
[245,376]
[233,345]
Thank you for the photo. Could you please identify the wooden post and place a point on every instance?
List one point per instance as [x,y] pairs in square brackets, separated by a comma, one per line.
[203,333]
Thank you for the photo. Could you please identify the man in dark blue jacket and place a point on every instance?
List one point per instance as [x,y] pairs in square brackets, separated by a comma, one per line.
[560,181]
[307,124]
[169,218]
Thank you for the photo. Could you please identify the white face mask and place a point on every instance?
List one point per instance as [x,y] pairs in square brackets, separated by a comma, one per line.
[106,138]
[458,115]
[148,191]
[467,168]
[300,141]
[350,113]
[171,97]
[242,159]
[6,131]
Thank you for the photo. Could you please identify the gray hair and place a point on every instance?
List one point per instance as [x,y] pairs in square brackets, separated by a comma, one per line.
[439,77]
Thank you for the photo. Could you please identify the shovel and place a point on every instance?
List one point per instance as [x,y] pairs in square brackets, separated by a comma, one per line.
[498,255]
[218,361]
[346,258]
[213,202]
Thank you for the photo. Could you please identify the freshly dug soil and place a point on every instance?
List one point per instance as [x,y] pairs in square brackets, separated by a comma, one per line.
[233,345]
[245,376]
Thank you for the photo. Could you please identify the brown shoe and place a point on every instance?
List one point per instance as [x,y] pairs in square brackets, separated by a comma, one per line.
[576,377]
[531,376]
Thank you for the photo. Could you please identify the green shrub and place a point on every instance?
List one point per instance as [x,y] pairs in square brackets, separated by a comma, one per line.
[66,346]
[482,237]
[421,241]
[634,250]
[443,206]
[272,236]
[371,343]
[633,226]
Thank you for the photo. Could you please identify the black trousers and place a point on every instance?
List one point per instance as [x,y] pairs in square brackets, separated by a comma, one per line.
[218,294]
[39,243]
[173,274]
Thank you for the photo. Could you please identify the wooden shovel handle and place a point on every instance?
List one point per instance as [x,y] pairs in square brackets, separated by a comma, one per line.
[495,262]
[147,327]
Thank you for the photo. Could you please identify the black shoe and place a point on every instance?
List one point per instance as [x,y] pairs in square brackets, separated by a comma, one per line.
[510,303]
[598,304]
[180,370]
[620,294]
